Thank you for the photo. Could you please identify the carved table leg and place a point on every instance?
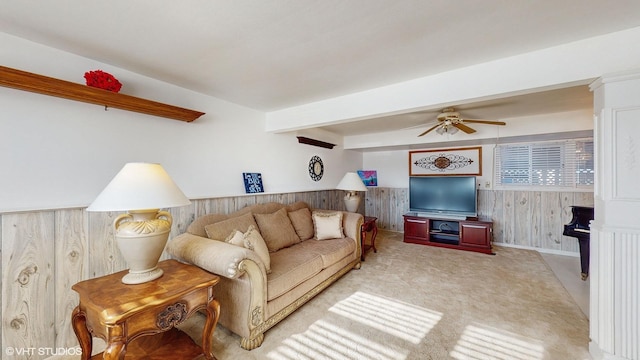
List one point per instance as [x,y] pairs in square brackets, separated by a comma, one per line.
[115,351]
[363,235]
[368,226]
[213,314]
[363,240]
[373,237]
[79,323]
[116,343]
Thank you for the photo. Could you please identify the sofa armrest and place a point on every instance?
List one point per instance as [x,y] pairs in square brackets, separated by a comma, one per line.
[215,256]
[351,224]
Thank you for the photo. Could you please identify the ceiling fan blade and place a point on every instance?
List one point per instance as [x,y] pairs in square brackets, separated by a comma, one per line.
[430,129]
[464,128]
[478,121]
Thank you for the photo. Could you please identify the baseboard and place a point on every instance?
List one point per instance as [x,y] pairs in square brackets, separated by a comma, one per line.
[540,250]
[544,251]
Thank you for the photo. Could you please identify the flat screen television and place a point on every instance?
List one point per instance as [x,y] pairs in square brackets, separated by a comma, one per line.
[444,196]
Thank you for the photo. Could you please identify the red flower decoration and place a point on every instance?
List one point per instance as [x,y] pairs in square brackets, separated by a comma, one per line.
[102,80]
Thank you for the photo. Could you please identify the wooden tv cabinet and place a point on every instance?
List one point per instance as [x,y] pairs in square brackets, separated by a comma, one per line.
[471,234]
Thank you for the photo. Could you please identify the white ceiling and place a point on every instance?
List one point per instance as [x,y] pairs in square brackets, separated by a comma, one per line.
[270,55]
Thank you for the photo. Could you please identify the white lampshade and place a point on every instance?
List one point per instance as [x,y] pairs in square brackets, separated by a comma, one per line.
[139,186]
[351,182]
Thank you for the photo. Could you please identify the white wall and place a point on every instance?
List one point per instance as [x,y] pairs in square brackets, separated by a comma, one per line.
[393,166]
[57,153]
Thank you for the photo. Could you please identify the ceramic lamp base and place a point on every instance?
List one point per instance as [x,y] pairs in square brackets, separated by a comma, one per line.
[352,203]
[141,237]
[142,277]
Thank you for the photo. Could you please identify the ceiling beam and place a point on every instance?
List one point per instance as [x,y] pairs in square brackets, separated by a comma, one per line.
[576,63]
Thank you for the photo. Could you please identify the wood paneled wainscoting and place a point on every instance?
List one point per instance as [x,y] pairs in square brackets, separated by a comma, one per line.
[530,219]
[45,252]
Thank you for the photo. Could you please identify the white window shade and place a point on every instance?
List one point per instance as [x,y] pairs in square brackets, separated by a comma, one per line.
[548,164]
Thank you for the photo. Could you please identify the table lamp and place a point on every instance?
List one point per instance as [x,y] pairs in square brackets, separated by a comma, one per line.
[142,189]
[352,183]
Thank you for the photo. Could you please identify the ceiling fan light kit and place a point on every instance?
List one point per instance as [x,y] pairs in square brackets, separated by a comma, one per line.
[449,122]
[447,128]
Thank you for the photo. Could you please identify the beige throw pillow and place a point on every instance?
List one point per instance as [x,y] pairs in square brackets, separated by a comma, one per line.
[327,225]
[236,238]
[302,222]
[252,241]
[277,230]
[222,229]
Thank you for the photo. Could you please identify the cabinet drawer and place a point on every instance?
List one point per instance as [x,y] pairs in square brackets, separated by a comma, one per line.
[416,228]
[475,234]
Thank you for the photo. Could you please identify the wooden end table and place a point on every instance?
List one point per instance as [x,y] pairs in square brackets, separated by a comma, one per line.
[369,225]
[120,313]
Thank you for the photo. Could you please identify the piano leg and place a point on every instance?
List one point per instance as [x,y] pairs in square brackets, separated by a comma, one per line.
[584,257]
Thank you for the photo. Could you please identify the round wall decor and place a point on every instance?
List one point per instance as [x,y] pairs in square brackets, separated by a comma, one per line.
[316,168]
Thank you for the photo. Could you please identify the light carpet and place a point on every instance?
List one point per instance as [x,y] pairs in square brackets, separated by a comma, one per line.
[412,301]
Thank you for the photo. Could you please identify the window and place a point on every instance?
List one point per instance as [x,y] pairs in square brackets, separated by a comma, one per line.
[584,163]
[549,164]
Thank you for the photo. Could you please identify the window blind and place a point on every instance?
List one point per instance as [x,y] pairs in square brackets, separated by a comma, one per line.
[547,164]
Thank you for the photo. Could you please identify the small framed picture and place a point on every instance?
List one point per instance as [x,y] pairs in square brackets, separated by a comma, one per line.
[369,177]
[252,183]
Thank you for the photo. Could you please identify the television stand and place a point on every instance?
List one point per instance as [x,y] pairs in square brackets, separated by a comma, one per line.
[466,234]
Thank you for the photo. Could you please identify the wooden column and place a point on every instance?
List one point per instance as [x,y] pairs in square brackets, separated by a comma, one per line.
[615,232]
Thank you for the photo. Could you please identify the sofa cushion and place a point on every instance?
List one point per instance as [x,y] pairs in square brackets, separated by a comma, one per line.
[197,226]
[331,251]
[277,230]
[327,225]
[252,241]
[302,222]
[222,229]
[290,268]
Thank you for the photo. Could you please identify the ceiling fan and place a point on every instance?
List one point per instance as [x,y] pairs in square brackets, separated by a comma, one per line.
[449,122]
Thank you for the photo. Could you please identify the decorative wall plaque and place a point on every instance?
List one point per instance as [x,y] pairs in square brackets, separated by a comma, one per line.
[460,161]
[316,168]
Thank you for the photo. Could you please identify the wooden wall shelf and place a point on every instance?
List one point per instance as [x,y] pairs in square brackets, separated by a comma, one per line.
[314,142]
[22,80]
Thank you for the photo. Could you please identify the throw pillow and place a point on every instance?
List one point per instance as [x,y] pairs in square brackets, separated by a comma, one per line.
[222,229]
[277,230]
[327,225]
[236,238]
[252,241]
[302,222]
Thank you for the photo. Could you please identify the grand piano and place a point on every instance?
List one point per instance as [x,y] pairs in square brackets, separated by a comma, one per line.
[579,228]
